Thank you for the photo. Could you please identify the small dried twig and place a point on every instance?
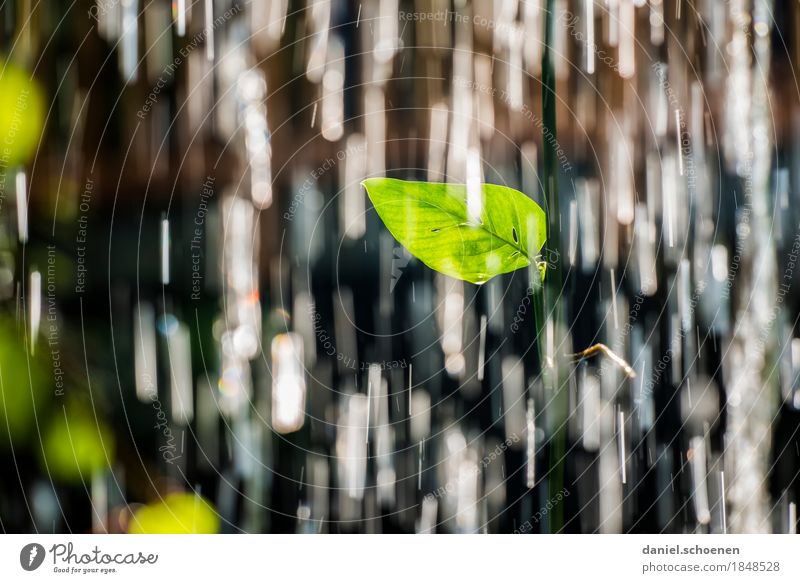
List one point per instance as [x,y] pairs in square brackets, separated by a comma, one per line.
[606,351]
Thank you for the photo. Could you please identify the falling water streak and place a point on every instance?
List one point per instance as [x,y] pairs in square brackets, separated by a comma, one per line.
[591,406]
[481,348]
[369,407]
[165,249]
[657,22]
[723,507]
[267,26]
[450,317]
[129,41]
[180,361]
[697,341]
[588,7]
[351,449]
[419,467]
[750,399]
[621,445]
[627,39]
[385,475]
[573,231]
[209,30]
[512,410]
[437,141]
[99,493]
[251,87]
[179,14]
[410,386]
[21,184]
[700,484]
[353,206]
[35,300]
[288,383]
[332,126]
[679,150]
[145,352]
[614,299]
[318,29]
[474,189]
[427,520]
[613,22]
[669,202]
[530,466]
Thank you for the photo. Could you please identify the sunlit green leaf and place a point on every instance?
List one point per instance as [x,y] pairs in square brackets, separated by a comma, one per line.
[431,220]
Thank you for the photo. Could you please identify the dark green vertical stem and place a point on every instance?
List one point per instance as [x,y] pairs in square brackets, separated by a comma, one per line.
[551,301]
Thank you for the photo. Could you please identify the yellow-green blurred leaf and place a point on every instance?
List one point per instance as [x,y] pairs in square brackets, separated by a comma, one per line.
[22,110]
[176,514]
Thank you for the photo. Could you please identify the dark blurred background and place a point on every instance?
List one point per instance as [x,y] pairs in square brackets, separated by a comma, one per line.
[206,328]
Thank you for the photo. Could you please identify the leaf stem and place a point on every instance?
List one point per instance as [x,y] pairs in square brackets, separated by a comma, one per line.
[550,305]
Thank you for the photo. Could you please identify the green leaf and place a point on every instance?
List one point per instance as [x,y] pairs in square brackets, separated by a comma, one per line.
[431,220]
[177,513]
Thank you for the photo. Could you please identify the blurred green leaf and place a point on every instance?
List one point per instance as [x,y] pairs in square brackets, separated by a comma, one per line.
[23,386]
[432,221]
[75,444]
[176,514]
[22,111]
